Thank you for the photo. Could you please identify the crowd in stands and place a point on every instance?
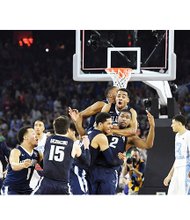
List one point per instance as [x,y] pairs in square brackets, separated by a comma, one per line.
[39,85]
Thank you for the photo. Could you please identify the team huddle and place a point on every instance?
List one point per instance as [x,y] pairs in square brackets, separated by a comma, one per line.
[78,160]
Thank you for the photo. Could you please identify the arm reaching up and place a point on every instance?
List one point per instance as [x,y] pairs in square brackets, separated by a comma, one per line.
[77,119]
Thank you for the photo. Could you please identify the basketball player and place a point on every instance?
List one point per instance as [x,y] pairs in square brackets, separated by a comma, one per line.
[124,119]
[95,108]
[179,174]
[59,152]
[22,160]
[101,178]
[120,143]
[122,100]
[39,128]
[78,182]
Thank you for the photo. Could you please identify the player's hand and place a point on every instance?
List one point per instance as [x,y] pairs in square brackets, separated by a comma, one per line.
[150,119]
[166,181]
[115,127]
[85,141]
[74,114]
[48,134]
[27,163]
[121,156]
[5,173]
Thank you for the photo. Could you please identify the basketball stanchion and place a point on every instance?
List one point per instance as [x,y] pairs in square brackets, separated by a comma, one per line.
[120,76]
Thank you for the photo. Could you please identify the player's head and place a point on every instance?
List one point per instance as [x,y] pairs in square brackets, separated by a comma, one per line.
[178,122]
[111,93]
[61,124]
[27,135]
[122,98]
[124,118]
[104,122]
[39,127]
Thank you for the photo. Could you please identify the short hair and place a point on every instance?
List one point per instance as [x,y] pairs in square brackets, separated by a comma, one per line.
[61,124]
[180,118]
[22,132]
[125,110]
[135,150]
[102,117]
[124,90]
[108,90]
[38,120]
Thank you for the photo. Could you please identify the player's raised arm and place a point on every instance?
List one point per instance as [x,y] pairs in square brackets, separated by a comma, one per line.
[106,107]
[148,142]
[77,119]
[92,109]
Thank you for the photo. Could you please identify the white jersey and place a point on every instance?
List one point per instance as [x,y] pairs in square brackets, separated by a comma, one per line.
[1,170]
[182,149]
[180,182]
[41,143]
[36,177]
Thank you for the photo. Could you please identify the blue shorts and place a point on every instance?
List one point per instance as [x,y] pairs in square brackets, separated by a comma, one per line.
[51,187]
[78,182]
[11,190]
[102,180]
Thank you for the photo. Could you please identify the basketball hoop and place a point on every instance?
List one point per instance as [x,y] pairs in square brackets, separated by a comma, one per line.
[120,76]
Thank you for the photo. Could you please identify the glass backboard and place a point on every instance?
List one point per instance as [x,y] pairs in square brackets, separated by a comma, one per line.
[150,53]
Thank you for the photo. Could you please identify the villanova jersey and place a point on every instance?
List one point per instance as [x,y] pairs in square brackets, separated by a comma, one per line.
[81,163]
[57,158]
[19,180]
[92,119]
[117,144]
[78,182]
[115,113]
[93,152]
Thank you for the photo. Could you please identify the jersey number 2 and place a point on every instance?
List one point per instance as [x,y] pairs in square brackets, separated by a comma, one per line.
[56,153]
[114,142]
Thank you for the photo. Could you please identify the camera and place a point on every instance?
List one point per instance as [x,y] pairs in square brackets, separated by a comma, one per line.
[132,161]
[147,103]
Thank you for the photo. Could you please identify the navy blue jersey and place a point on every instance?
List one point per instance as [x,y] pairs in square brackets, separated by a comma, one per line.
[83,161]
[93,152]
[19,180]
[117,144]
[102,175]
[92,119]
[78,182]
[115,113]
[101,158]
[57,158]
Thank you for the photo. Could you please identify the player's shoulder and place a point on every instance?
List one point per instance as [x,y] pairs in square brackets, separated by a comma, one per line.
[17,150]
[100,137]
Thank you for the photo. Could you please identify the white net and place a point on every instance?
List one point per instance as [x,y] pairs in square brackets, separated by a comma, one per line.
[120,76]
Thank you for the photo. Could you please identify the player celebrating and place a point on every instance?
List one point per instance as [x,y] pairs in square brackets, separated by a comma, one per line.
[22,160]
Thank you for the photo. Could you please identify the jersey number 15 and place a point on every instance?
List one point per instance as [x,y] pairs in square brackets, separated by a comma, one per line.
[56,153]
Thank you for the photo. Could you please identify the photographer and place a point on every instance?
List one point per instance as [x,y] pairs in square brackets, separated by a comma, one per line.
[133,172]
